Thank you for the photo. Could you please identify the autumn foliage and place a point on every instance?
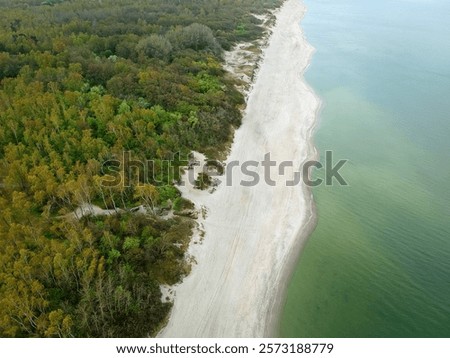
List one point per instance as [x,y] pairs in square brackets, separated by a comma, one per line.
[80,83]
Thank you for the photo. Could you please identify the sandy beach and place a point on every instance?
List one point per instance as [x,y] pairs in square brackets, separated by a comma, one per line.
[253,235]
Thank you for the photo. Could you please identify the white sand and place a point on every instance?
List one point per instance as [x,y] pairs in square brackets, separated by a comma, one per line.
[254,234]
[89,209]
[243,59]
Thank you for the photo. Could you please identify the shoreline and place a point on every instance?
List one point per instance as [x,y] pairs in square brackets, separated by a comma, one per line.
[248,254]
[306,230]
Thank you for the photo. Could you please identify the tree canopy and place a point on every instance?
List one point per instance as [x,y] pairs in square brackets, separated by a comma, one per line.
[81,83]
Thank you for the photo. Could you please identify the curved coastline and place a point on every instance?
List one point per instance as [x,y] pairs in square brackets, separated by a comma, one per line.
[309,225]
[254,235]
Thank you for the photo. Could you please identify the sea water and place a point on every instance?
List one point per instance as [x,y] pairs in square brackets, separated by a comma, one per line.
[378,263]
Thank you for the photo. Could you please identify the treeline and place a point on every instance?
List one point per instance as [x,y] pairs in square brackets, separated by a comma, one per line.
[82,82]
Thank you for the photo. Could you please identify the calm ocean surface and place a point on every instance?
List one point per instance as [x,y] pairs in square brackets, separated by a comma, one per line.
[378,264]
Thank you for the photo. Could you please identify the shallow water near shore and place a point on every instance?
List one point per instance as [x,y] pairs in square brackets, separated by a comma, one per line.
[378,263]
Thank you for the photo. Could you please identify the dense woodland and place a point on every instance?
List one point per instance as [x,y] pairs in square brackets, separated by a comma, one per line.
[80,83]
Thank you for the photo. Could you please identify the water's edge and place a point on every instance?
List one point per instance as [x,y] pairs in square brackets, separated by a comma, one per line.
[305,231]
[239,286]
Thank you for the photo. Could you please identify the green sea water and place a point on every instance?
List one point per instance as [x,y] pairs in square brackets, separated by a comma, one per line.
[378,263]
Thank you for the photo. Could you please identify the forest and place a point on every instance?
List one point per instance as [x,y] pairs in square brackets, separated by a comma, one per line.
[82,82]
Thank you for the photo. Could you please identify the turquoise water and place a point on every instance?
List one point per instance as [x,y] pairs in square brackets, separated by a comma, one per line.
[378,263]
